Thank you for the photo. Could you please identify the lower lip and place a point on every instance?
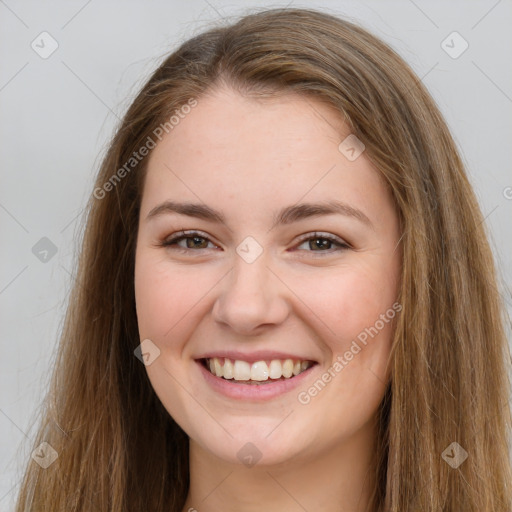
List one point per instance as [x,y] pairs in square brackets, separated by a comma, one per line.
[255,392]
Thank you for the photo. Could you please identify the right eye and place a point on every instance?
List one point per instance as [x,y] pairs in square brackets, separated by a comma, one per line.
[197,241]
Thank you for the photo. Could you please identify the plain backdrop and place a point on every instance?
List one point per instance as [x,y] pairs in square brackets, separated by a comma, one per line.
[58,111]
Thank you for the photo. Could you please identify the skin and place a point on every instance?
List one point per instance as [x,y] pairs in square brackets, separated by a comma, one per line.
[247,158]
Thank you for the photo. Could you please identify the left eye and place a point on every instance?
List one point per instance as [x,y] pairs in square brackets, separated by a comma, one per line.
[325,240]
[196,240]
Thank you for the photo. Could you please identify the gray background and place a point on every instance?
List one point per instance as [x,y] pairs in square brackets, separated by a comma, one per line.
[58,113]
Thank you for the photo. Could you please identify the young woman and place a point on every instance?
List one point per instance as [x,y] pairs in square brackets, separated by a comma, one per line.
[285,298]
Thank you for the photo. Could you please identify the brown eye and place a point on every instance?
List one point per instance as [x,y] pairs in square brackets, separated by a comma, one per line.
[322,243]
[193,240]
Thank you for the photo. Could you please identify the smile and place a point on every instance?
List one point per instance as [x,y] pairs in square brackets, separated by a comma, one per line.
[239,382]
[259,372]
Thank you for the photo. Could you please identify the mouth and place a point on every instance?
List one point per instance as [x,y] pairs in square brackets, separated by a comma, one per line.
[258,373]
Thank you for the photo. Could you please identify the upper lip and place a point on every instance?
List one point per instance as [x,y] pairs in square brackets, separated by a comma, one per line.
[260,355]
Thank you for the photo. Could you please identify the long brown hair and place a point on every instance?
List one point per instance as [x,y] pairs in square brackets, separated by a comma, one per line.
[118,448]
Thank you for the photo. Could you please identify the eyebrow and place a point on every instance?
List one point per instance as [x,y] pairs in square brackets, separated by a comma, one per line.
[287,215]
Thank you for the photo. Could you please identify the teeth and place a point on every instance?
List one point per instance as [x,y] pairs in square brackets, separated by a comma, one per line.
[275,369]
[258,371]
[242,370]
[228,369]
[218,370]
[288,368]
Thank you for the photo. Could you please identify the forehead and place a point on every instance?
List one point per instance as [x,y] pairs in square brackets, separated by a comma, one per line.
[236,124]
[279,148]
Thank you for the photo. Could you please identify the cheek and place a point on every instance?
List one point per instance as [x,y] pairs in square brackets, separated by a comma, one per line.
[155,295]
[347,303]
[168,298]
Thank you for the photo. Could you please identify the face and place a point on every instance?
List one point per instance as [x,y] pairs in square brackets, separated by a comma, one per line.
[249,284]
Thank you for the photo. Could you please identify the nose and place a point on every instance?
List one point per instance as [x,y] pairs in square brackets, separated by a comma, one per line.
[251,297]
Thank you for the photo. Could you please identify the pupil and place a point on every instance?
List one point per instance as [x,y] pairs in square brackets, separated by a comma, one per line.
[323,243]
[193,241]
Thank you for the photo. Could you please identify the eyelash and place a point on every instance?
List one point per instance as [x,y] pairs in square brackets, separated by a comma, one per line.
[183,235]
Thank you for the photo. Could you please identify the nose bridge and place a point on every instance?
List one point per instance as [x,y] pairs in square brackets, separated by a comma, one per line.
[251,295]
